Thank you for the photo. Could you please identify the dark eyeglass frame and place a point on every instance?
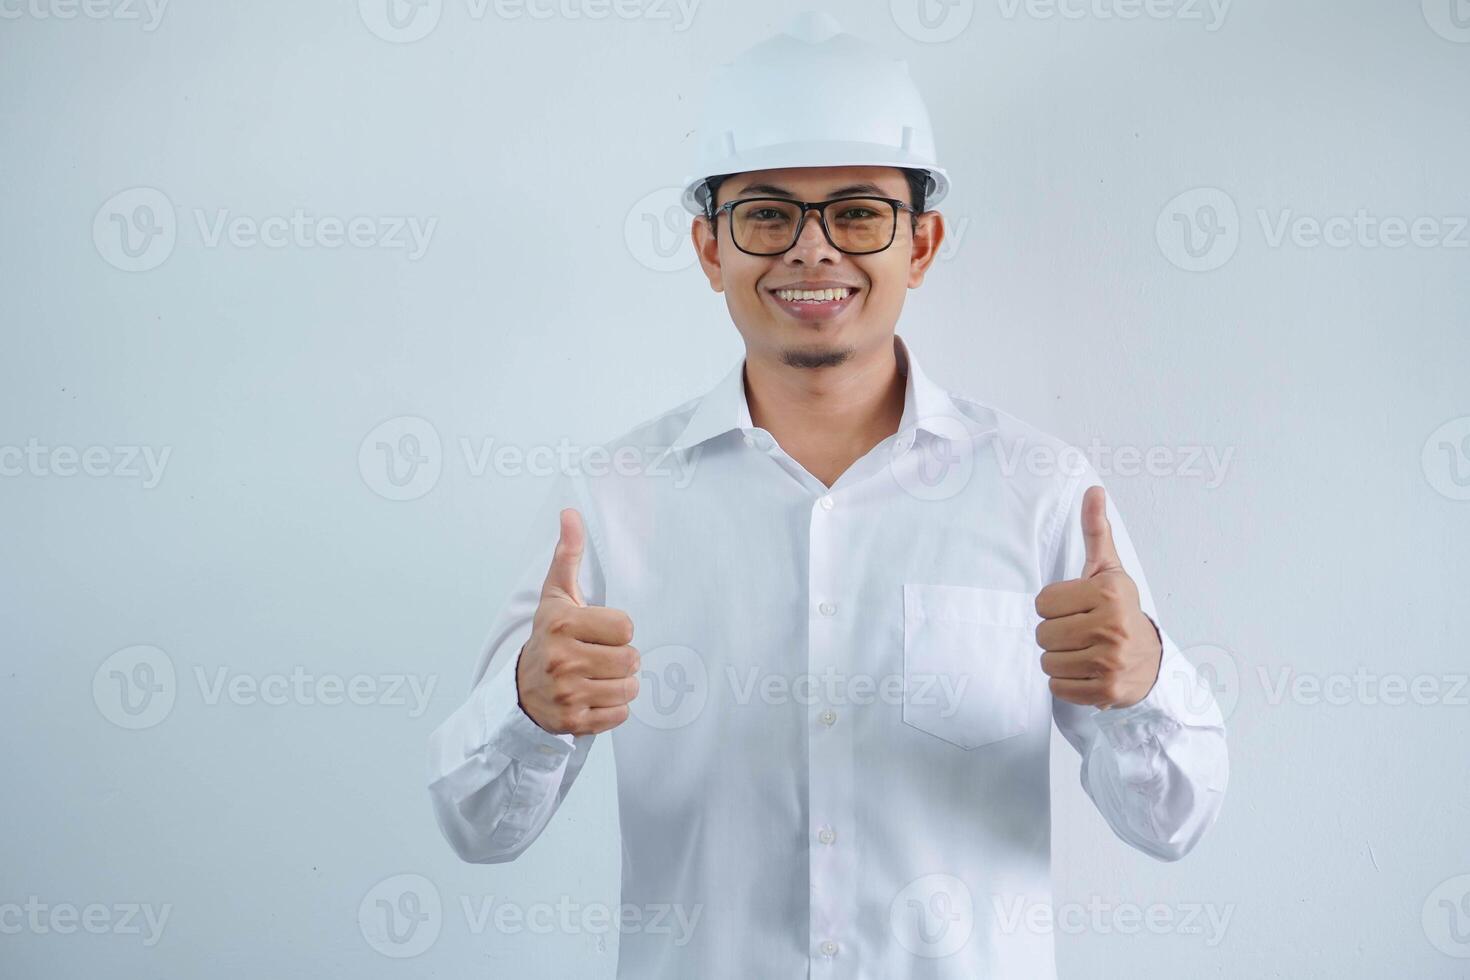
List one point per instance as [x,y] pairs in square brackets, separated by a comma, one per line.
[821,208]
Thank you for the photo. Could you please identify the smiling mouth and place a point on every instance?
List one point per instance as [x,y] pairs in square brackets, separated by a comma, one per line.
[816,307]
[814,295]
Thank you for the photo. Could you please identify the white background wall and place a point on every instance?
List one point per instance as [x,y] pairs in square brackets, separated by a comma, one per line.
[554,302]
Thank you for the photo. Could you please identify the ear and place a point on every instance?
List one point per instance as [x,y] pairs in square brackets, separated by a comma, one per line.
[707,248]
[927,238]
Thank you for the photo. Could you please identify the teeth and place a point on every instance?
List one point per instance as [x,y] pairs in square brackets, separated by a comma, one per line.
[813,295]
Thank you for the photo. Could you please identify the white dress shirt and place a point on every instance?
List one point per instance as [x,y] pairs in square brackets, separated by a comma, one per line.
[837,762]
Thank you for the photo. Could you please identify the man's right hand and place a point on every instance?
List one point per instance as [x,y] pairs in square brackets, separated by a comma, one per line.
[577,672]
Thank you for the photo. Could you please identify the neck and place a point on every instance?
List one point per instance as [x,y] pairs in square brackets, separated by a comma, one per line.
[828,417]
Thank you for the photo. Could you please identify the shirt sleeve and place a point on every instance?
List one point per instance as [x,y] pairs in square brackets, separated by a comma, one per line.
[495,776]
[1156,770]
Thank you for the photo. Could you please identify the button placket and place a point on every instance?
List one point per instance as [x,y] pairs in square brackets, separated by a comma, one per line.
[830,871]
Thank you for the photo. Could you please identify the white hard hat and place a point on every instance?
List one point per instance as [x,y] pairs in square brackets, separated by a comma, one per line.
[812,96]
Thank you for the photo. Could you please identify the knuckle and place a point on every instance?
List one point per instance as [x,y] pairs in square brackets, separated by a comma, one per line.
[1110,632]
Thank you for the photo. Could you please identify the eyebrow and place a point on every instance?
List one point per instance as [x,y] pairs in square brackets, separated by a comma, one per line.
[863,188]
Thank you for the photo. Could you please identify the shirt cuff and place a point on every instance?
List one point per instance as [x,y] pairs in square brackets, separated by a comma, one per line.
[512,731]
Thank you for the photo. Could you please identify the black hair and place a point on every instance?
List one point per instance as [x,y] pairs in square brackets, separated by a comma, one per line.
[918,190]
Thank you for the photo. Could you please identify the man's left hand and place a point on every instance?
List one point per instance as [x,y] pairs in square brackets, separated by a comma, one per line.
[1100,647]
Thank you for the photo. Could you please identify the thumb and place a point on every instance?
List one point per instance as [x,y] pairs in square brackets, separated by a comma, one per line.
[566,561]
[1097,534]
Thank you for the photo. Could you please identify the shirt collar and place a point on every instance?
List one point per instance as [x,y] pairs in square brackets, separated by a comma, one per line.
[926,407]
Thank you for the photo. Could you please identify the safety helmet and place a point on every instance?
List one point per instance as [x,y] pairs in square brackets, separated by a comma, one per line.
[812,96]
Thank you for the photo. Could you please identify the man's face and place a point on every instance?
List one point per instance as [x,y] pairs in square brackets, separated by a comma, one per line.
[816,334]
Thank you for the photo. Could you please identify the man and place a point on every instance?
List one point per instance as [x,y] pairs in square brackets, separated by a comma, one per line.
[858,608]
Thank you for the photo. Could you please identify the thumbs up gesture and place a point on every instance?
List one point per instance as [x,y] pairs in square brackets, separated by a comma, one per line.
[577,672]
[1099,646]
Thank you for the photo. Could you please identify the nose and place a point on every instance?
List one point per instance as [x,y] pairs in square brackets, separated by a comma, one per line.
[811,244]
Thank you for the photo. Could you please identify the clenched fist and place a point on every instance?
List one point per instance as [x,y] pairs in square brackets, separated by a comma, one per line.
[1100,647]
[577,672]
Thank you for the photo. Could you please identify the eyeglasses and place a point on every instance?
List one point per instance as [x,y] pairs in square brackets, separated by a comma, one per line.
[853,225]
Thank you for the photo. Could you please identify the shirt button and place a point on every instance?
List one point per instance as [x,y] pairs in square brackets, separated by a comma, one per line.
[547,749]
[826,836]
[750,440]
[827,608]
[828,717]
[827,503]
[829,948]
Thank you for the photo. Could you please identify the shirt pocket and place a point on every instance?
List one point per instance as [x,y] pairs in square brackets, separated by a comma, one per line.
[970,662]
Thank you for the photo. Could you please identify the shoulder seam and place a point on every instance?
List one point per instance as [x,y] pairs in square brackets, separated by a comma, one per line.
[655,419]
